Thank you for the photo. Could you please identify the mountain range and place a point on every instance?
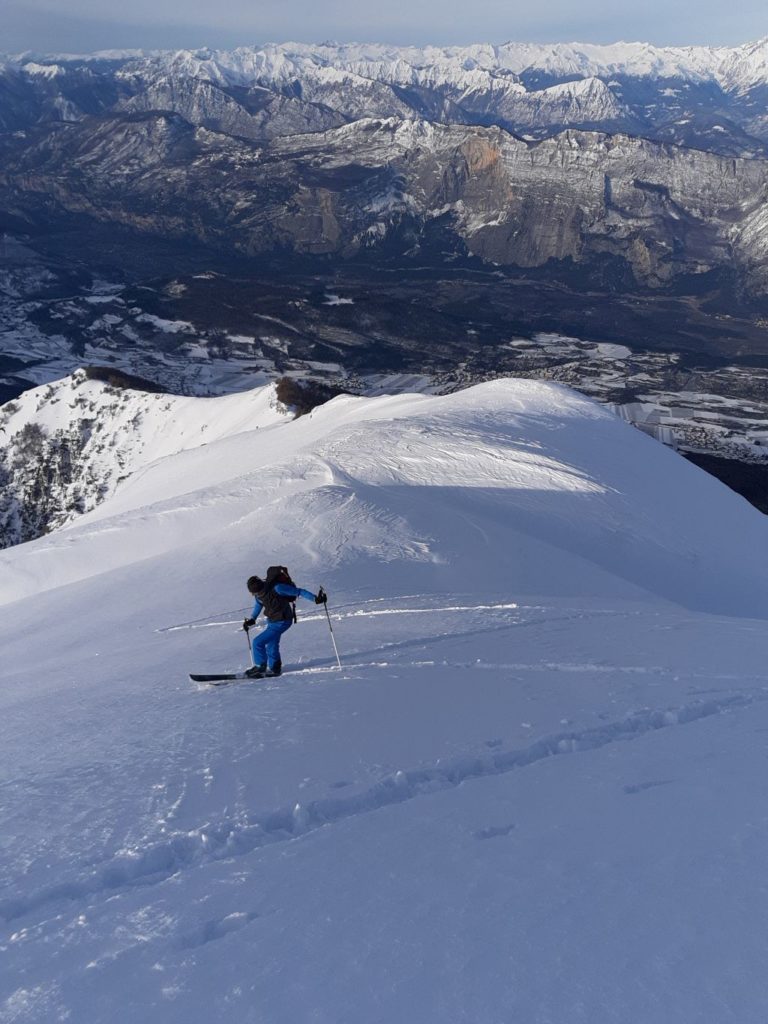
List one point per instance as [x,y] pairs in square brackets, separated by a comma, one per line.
[263,92]
[366,213]
[521,156]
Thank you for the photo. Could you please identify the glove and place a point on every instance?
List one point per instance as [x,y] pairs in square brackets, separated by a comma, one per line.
[247,623]
[322,597]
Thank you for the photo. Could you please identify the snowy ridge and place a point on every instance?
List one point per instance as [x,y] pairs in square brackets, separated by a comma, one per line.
[162,424]
[321,485]
[545,744]
[84,437]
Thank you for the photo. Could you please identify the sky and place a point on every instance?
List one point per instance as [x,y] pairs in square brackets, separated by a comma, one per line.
[84,25]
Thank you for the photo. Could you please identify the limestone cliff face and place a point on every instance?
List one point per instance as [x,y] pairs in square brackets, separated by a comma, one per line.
[663,210]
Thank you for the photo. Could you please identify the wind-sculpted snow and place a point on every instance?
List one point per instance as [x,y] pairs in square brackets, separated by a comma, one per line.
[545,744]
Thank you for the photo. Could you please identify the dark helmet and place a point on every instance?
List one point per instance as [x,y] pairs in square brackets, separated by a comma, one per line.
[254,584]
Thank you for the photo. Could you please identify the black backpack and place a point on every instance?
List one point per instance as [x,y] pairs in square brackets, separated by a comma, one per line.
[276,607]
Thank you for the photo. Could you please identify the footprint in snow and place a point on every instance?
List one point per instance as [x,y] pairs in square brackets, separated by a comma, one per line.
[210,931]
[493,832]
[641,786]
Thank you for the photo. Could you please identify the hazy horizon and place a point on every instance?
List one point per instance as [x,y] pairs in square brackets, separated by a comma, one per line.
[90,25]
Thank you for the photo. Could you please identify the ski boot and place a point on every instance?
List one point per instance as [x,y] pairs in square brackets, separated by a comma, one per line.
[274,670]
[256,671]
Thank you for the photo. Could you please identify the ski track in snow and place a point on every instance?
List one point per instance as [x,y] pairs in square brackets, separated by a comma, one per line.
[426,640]
[338,614]
[161,860]
[576,667]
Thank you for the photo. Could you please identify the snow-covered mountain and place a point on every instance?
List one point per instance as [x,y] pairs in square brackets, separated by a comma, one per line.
[290,87]
[68,445]
[545,746]
[501,442]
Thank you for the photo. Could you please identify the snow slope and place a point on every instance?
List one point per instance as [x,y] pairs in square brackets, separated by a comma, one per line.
[534,791]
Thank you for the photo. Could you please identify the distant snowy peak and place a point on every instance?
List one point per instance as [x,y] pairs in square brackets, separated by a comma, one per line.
[93,57]
[263,92]
[586,101]
[735,68]
[745,68]
[43,70]
[640,60]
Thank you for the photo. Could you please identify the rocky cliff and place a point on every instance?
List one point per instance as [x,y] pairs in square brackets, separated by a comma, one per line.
[530,157]
[663,212]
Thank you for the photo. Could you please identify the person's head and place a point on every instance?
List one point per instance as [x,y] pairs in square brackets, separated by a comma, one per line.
[254,584]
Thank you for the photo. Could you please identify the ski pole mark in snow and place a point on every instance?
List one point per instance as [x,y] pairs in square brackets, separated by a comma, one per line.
[207,620]
[160,860]
[607,669]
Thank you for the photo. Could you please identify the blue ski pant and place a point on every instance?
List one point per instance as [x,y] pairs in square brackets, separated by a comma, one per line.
[266,646]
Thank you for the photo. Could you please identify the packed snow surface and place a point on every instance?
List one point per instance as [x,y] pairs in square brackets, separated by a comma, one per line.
[534,791]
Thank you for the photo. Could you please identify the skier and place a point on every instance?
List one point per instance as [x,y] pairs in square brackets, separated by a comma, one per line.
[275,596]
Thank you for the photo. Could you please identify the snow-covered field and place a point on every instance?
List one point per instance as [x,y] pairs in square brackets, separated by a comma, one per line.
[534,793]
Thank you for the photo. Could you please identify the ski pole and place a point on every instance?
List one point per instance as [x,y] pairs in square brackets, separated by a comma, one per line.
[248,641]
[330,626]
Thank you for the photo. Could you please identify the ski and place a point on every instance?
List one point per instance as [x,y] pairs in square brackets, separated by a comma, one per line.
[222,677]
